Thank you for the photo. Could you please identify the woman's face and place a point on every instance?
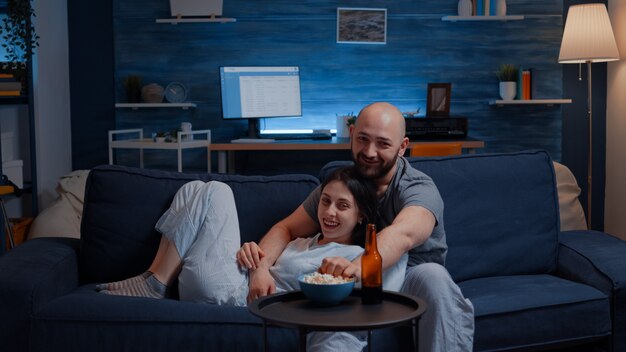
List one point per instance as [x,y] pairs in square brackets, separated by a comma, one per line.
[337,213]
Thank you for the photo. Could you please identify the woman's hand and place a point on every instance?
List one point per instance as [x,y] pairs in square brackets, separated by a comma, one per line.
[340,266]
[249,256]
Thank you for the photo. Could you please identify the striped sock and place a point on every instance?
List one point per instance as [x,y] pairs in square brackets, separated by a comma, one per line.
[123,283]
[150,287]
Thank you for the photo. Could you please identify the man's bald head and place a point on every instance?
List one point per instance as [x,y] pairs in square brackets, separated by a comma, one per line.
[385,115]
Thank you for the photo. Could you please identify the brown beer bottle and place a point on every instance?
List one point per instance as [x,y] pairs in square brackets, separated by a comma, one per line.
[371,269]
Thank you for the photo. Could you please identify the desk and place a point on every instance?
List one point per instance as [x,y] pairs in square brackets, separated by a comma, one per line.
[226,151]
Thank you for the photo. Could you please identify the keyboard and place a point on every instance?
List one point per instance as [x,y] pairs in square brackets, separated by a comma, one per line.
[252,140]
[293,136]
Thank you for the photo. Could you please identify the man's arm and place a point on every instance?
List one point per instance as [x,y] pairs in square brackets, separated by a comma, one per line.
[297,224]
[411,227]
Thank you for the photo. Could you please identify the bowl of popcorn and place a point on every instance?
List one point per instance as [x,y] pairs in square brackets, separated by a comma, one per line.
[325,289]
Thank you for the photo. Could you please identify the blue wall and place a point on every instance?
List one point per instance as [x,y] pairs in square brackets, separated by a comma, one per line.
[338,78]
[111,38]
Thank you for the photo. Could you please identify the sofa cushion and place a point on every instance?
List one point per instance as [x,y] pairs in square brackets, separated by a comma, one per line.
[535,310]
[122,205]
[87,321]
[501,212]
[570,211]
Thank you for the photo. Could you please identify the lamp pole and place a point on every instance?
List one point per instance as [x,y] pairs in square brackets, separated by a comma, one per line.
[590,145]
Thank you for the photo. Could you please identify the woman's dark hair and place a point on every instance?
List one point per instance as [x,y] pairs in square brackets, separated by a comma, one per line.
[364,192]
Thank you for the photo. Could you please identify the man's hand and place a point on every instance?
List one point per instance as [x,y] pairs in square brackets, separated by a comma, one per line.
[261,284]
[249,256]
[340,266]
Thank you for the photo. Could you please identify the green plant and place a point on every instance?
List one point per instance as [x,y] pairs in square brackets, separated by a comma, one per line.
[18,33]
[507,73]
[351,120]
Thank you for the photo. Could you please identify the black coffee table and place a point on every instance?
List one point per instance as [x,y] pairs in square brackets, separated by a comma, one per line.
[294,310]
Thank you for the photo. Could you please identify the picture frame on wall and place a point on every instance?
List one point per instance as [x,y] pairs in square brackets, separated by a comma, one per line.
[438,99]
[356,25]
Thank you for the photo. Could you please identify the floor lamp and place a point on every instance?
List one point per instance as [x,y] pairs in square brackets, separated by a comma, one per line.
[587,38]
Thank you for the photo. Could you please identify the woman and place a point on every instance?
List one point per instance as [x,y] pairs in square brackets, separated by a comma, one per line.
[201,241]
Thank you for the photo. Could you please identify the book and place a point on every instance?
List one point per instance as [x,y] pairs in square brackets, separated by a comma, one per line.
[487,8]
[9,93]
[475,7]
[6,75]
[531,84]
[492,7]
[526,84]
[479,7]
[520,88]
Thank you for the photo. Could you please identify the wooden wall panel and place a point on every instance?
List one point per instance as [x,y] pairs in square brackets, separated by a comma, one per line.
[339,78]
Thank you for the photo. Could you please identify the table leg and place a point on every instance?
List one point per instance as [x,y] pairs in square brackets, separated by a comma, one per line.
[265,343]
[303,333]
[208,159]
[415,323]
[369,340]
[222,162]
[231,161]
[180,159]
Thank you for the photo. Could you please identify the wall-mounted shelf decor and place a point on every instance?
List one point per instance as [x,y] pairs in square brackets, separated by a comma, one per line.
[482,18]
[531,102]
[195,20]
[136,106]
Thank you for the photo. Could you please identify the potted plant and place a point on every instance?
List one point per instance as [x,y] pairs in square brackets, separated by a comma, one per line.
[160,137]
[507,75]
[19,39]
[343,124]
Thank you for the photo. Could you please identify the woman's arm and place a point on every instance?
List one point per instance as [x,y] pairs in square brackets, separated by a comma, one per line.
[263,256]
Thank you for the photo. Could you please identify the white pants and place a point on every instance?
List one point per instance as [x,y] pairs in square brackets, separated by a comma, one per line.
[448,323]
[202,223]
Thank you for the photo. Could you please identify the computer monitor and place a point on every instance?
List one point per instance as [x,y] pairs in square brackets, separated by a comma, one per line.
[256,92]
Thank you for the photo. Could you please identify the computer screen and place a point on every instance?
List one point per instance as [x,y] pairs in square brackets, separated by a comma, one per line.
[256,92]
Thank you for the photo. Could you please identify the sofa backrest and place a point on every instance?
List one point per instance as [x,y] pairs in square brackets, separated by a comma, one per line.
[501,212]
[123,204]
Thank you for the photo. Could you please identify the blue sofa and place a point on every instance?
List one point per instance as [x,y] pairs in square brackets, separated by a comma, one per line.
[533,288]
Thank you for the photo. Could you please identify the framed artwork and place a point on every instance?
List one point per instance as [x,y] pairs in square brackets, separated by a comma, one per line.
[438,99]
[361,25]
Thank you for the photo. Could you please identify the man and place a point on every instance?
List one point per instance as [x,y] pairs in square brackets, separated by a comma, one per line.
[411,214]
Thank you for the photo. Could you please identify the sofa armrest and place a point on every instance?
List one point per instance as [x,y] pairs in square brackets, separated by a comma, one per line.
[599,260]
[31,275]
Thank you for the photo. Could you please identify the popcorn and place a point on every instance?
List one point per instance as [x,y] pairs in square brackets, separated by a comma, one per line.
[324,279]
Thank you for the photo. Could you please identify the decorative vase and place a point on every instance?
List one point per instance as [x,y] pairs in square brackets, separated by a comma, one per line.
[152,93]
[501,8]
[508,90]
[465,8]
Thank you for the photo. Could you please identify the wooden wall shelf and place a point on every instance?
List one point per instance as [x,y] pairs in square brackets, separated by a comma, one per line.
[195,20]
[531,102]
[482,18]
[136,106]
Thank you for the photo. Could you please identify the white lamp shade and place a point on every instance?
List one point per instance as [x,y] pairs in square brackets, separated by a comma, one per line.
[588,35]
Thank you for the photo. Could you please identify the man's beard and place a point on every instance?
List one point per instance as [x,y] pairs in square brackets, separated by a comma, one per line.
[374,172]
